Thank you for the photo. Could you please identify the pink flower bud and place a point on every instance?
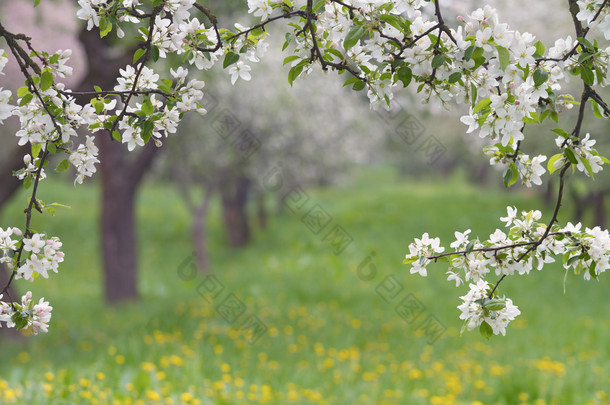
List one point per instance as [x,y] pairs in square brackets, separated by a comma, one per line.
[28,295]
[511,85]
[517,102]
[460,18]
[484,22]
[60,255]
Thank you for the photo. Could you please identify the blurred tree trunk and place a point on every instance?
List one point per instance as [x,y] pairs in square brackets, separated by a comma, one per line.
[261,210]
[9,185]
[599,209]
[234,190]
[122,173]
[200,229]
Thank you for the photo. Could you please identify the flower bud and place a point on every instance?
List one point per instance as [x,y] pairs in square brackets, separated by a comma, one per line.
[17,231]
[27,159]
[460,18]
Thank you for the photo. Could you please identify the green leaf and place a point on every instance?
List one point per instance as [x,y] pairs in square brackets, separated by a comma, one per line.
[587,166]
[503,56]
[62,166]
[469,247]
[36,148]
[534,118]
[540,49]
[410,260]
[294,72]
[27,182]
[482,104]
[438,61]
[495,304]
[46,80]
[22,91]
[468,53]
[116,135]
[154,53]
[230,58]
[570,155]
[511,175]
[359,85]
[105,27]
[353,36]
[138,54]
[551,164]
[290,58]
[455,77]
[587,75]
[473,94]
[596,110]
[585,43]
[486,330]
[392,20]
[540,76]
[561,132]
[26,99]
[147,107]
[405,75]
[51,148]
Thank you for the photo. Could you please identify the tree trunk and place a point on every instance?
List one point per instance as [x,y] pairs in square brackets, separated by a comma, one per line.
[9,185]
[234,198]
[200,231]
[121,173]
[599,209]
[261,210]
[121,178]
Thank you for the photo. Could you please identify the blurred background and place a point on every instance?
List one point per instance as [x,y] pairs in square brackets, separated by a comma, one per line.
[257,256]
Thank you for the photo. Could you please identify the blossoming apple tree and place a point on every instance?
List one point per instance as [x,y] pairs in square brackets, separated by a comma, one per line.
[509,80]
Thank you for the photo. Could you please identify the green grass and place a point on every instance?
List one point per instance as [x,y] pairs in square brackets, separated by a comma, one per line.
[331,338]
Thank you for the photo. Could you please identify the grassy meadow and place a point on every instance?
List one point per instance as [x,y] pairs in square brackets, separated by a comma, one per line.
[291,320]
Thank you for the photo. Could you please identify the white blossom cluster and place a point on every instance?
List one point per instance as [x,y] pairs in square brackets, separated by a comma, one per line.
[524,245]
[26,315]
[478,309]
[44,255]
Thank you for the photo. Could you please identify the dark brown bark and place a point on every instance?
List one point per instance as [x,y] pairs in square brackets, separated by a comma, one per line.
[234,190]
[200,234]
[120,180]
[261,210]
[121,174]
[9,185]
[599,209]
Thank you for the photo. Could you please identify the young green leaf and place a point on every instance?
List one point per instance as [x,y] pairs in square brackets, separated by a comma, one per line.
[486,330]
[353,36]
[62,166]
[503,56]
[540,76]
[230,58]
